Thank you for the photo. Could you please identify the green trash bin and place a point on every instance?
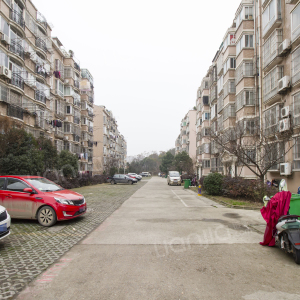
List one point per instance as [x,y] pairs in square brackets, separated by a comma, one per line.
[295,205]
[187,183]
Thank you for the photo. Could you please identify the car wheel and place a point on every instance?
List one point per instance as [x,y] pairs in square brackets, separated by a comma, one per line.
[46,216]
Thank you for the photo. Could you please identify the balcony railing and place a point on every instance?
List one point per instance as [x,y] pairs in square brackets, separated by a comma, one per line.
[58,133]
[90,129]
[16,48]
[17,17]
[76,66]
[76,83]
[41,44]
[90,114]
[40,96]
[76,120]
[17,80]
[91,99]
[15,111]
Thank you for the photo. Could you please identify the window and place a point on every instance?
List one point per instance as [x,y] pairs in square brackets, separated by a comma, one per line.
[296,66]
[229,64]
[205,116]
[206,164]
[271,120]
[2,183]
[3,59]
[270,47]
[248,12]
[295,23]
[229,111]
[250,156]
[229,40]
[3,93]
[249,127]
[59,88]
[246,41]
[270,15]
[270,83]
[16,185]
[297,149]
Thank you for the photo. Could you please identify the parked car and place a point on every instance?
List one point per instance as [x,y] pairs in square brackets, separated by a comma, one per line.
[4,223]
[34,197]
[109,178]
[121,178]
[136,176]
[146,174]
[173,178]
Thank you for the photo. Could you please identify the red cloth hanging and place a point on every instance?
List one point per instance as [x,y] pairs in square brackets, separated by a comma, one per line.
[278,206]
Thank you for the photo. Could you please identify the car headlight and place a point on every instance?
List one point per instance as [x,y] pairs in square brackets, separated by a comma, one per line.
[64,201]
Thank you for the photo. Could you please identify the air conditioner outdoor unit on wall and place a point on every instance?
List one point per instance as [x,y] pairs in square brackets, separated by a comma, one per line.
[5,72]
[285,169]
[283,83]
[284,46]
[5,39]
[284,125]
[285,112]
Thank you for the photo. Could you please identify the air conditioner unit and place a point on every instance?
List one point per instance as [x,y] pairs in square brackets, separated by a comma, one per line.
[284,125]
[284,46]
[285,169]
[67,138]
[5,72]
[285,112]
[5,39]
[283,83]
[67,81]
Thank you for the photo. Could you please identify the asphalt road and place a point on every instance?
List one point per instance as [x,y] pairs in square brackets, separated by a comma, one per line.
[168,243]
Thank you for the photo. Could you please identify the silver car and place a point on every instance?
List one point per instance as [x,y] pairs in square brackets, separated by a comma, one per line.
[4,223]
[173,178]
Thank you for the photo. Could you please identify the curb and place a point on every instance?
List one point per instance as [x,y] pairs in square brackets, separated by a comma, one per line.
[235,206]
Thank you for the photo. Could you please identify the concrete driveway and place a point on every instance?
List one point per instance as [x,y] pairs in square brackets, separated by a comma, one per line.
[168,243]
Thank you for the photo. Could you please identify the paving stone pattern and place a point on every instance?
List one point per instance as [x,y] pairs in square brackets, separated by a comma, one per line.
[31,249]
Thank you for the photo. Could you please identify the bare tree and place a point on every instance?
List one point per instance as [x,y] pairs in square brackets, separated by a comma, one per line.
[258,149]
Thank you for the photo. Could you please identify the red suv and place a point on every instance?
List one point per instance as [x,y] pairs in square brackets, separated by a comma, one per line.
[34,197]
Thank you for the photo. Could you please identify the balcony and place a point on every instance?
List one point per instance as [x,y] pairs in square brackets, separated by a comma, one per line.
[16,48]
[17,17]
[270,85]
[41,44]
[90,114]
[271,19]
[76,84]
[76,120]
[15,111]
[40,96]
[76,66]
[271,50]
[90,129]
[58,133]
[41,20]
[91,99]
[17,80]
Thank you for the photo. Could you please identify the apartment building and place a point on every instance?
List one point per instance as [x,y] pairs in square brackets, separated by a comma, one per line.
[254,82]
[110,147]
[42,85]
[186,141]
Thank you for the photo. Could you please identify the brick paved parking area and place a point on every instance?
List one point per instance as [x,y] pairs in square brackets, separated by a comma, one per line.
[31,249]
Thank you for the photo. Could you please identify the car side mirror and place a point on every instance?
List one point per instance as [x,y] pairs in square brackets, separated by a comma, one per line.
[28,190]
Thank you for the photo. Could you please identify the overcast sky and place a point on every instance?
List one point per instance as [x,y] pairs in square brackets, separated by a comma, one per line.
[147,57]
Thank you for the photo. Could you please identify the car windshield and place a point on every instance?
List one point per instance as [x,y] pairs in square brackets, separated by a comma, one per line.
[174,174]
[44,185]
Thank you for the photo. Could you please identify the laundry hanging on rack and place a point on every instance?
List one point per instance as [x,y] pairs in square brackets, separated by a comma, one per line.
[56,74]
[56,123]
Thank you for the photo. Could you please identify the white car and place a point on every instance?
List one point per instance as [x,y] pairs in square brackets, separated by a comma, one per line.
[174,178]
[138,177]
[147,174]
[4,223]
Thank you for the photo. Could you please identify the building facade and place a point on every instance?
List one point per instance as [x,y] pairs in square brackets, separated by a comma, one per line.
[110,147]
[186,141]
[253,81]
[42,85]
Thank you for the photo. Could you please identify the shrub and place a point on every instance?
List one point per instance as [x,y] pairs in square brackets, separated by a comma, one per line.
[213,184]
[252,190]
